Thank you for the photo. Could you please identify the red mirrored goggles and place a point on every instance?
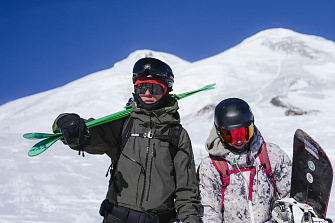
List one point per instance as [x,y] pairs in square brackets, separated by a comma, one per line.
[231,136]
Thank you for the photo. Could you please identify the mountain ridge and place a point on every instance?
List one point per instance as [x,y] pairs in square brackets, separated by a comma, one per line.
[249,63]
[285,90]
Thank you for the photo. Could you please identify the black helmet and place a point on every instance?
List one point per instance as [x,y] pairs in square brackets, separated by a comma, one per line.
[151,67]
[232,113]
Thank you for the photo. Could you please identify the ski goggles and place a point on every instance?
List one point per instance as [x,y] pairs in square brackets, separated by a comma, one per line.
[153,88]
[145,67]
[231,136]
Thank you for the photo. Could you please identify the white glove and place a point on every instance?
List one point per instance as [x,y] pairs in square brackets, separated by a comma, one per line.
[282,213]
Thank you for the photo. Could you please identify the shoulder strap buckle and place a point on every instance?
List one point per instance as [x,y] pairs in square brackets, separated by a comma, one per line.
[148,135]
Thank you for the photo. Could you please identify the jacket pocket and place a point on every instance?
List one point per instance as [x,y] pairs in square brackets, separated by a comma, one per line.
[127,185]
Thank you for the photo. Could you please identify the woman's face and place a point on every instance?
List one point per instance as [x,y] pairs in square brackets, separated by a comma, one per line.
[239,144]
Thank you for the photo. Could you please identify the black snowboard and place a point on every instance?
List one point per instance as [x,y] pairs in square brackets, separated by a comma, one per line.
[312,173]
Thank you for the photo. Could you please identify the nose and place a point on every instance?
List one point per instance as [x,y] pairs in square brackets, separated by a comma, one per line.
[147,93]
[239,140]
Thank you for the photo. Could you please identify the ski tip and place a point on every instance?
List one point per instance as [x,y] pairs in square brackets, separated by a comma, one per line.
[36,151]
[43,145]
[37,135]
[210,86]
[28,135]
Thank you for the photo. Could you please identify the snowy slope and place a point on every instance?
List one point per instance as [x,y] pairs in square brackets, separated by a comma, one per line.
[278,72]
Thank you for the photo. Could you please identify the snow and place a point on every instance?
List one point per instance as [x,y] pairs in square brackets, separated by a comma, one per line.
[60,186]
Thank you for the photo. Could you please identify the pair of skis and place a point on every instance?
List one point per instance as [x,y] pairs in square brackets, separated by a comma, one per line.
[50,139]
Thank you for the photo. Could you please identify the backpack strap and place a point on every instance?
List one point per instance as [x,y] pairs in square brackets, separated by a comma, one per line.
[151,135]
[265,163]
[125,133]
[175,132]
[221,166]
[173,137]
[252,170]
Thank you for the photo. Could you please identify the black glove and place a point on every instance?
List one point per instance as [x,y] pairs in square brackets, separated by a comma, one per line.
[73,128]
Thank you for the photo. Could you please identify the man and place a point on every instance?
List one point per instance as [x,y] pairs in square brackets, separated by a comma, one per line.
[152,180]
[243,175]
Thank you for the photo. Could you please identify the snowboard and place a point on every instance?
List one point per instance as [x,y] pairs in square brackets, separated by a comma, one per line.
[312,174]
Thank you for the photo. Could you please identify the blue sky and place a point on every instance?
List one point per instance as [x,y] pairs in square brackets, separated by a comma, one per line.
[45,44]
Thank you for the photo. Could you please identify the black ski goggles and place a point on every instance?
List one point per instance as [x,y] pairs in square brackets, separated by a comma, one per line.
[155,89]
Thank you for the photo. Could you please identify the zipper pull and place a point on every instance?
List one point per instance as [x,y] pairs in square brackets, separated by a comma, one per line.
[234,162]
[150,134]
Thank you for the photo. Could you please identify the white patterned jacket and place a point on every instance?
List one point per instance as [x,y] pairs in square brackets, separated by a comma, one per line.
[236,206]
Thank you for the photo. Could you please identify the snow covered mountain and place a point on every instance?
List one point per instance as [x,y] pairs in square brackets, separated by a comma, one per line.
[286,77]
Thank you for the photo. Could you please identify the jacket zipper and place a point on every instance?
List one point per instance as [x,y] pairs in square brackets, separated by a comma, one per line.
[146,166]
[153,155]
[138,163]
[246,184]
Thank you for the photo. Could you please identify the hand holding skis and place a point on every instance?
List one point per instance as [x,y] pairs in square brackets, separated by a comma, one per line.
[73,128]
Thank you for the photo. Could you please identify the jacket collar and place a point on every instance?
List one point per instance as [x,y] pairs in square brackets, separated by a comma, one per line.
[166,115]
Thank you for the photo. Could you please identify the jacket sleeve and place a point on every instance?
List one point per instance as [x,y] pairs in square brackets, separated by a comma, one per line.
[282,170]
[187,201]
[210,191]
[104,139]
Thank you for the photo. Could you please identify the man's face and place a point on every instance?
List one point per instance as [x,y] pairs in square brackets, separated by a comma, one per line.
[150,90]
[149,98]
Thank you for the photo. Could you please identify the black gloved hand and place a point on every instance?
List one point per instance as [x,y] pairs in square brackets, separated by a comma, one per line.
[73,128]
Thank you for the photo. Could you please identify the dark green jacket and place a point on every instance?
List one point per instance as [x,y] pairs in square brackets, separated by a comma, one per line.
[147,177]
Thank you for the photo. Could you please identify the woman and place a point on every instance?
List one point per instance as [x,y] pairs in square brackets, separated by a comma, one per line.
[248,186]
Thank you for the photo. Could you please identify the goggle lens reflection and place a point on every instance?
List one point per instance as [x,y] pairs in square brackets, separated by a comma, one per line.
[155,89]
[231,136]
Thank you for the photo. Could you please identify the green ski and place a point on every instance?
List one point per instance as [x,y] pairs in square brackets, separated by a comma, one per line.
[114,116]
[52,138]
[43,145]
[36,135]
